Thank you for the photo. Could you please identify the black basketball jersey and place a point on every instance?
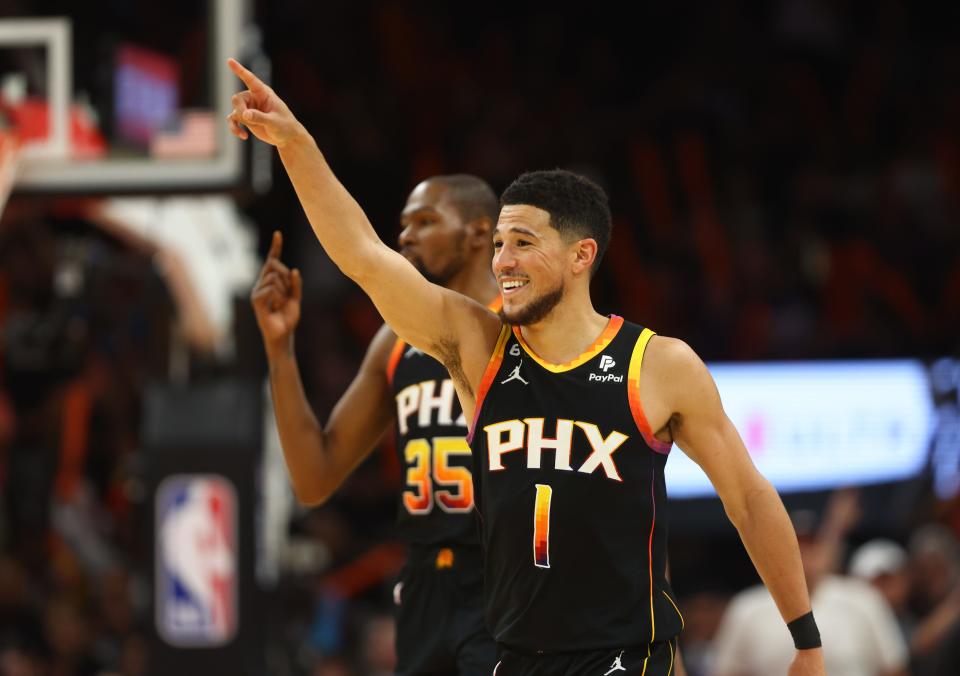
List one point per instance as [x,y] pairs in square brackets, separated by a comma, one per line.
[570,487]
[436,504]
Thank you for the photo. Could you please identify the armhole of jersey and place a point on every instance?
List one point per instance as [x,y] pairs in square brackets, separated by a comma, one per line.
[488,375]
[395,355]
[633,394]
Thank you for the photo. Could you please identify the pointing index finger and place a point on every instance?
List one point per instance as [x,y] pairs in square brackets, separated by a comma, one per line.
[254,84]
[275,245]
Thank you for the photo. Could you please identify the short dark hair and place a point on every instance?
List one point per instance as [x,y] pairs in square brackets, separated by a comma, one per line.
[578,207]
[472,196]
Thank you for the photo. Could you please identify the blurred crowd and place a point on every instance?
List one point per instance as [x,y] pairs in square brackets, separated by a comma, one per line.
[883,607]
[785,181]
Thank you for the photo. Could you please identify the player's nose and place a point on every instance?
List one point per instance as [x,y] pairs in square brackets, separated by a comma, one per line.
[504,263]
[405,238]
[503,260]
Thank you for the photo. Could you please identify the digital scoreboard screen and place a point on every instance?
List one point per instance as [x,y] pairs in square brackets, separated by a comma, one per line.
[813,426]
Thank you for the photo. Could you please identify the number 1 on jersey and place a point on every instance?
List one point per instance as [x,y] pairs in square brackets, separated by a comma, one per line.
[541,526]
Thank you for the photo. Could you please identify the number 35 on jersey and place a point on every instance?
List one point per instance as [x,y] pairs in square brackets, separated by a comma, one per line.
[434,477]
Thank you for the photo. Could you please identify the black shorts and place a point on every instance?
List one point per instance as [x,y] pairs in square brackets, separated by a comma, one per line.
[440,625]
[655,659]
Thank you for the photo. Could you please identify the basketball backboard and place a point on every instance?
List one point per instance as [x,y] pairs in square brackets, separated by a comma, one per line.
[108,100]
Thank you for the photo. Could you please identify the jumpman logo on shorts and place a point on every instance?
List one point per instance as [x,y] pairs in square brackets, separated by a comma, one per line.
[616,666]
[515,375]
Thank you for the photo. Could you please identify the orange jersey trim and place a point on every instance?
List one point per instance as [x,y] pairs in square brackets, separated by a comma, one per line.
[653,525]
[395,355]
[633,394]
[608,334]
[488,375]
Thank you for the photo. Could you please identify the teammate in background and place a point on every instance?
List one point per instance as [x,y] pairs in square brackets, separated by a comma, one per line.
[446,227]
[569,465]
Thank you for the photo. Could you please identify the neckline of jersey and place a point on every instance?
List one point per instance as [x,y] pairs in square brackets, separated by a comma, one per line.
[599,345]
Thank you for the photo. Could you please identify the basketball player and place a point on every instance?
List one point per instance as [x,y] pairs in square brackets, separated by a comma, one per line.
[446,227]
[573,416]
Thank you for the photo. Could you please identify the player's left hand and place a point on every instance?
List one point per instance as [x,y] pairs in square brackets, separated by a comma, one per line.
[808,663]
[260,110]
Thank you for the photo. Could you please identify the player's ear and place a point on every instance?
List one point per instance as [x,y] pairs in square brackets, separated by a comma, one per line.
[480,231]
[584,253]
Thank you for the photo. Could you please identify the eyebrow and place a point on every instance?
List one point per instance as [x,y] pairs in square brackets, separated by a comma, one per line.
[418,210]
[515,229]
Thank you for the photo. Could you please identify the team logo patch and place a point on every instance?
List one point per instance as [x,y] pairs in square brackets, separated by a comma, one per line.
[196,560]
[606,363]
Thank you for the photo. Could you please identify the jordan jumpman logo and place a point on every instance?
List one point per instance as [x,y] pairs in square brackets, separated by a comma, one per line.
[616,666]
[515,375]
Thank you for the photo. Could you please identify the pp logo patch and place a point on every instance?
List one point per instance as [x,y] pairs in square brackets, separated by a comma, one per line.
[196,560]
[606,363]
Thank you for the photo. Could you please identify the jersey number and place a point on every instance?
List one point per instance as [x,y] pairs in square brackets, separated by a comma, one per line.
[449,486]
[541,526]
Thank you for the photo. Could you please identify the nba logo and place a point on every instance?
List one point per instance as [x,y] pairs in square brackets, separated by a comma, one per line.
[196,560]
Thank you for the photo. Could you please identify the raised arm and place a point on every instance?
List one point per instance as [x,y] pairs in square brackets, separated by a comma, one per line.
[319,459]
[684,395]
[456,330]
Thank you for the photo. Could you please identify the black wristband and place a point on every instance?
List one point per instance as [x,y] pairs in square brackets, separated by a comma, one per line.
[805,633]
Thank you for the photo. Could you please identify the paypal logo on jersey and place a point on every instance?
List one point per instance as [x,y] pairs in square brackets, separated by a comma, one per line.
[196,560]
[606,363]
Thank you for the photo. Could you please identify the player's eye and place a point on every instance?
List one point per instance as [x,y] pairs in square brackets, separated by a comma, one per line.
[498,244]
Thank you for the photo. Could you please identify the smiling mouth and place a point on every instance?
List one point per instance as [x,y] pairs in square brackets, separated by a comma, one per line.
[513,285]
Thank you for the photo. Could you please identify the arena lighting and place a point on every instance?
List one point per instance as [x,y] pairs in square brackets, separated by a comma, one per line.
[819,425]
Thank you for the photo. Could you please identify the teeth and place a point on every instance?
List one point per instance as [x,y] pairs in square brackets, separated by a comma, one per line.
[513,285]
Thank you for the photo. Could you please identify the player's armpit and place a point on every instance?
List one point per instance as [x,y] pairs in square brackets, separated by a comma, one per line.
[451,327]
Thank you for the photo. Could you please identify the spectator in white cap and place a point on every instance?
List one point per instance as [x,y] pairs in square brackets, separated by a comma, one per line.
[883,563]
[859,630]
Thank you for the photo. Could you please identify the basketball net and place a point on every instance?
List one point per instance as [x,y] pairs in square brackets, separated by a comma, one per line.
[9,153]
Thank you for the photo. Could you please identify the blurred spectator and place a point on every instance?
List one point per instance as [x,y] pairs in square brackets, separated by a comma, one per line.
[935,593]
[702,614]
[883,563]
[67,631]
[859,631]
[378,656]
[947,660]
[21,629]
[332,666]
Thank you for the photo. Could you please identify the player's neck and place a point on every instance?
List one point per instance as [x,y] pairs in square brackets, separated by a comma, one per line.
[567,332]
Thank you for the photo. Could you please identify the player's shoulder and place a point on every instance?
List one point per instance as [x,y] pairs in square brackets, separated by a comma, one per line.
[675,371]
[670,354]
